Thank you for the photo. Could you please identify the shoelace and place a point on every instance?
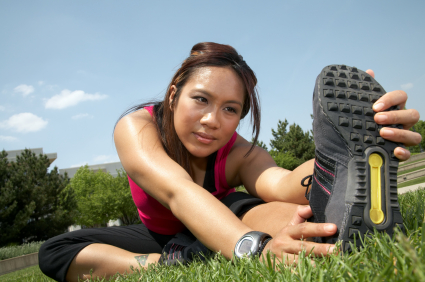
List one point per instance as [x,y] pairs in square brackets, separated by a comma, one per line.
[310,180]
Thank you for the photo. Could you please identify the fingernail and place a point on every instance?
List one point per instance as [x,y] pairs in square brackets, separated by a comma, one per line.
[329,227]
[386,132]
[378,107]
[400,152]
[381,118]
[331,249]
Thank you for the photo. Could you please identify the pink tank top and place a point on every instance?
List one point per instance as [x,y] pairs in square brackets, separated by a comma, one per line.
[161,220]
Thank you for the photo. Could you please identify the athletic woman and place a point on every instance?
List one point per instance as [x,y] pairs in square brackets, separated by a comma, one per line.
[183,158]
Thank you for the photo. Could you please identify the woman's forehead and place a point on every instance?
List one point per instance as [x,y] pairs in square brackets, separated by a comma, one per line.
[216,78]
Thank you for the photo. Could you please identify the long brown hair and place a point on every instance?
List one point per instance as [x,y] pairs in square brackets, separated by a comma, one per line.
[202,55]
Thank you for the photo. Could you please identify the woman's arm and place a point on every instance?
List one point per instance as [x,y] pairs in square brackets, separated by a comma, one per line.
[271,183]
[146,162]
[263,178]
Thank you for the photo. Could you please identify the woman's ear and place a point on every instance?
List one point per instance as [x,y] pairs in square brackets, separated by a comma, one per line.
[173,90]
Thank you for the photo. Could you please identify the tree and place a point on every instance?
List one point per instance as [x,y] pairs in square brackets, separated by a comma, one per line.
[291,148]
[33,203]
[101,197]
[419,128]
[260,144]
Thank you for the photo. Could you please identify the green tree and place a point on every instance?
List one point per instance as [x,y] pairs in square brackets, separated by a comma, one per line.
[33,203]
[101,197]
[419,128]
[260,144]
[291,148]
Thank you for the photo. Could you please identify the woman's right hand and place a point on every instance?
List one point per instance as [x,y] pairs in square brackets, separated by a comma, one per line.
[287,244]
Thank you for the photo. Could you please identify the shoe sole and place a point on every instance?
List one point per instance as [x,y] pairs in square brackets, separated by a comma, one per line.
[346,96]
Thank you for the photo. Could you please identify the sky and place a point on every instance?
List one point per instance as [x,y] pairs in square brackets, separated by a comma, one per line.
[69,69]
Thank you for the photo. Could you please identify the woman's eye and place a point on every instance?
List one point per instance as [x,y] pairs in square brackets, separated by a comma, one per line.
[201,99]
[230,109]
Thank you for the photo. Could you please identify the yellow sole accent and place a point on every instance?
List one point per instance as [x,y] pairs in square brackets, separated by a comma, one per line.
[376,213]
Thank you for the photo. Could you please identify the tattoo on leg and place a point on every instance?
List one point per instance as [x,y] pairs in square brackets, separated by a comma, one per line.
[142,259]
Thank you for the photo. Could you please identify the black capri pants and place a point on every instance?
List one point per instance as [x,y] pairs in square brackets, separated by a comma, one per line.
[57,253]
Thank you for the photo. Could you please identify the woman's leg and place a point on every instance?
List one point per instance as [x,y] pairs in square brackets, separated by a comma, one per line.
[101,260]
[269,217]
[103,251]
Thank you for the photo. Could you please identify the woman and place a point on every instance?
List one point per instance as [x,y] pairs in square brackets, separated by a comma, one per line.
[182,157]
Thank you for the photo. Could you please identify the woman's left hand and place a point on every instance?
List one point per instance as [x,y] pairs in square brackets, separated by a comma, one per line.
[407,118]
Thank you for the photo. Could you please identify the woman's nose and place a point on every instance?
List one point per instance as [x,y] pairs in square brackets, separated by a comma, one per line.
[210,119]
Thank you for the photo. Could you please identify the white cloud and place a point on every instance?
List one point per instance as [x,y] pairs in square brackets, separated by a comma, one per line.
[80,116]
[106,159]
[8,138]
[68,99]
[24,122]
[24,89]
[407,86]
[40,82]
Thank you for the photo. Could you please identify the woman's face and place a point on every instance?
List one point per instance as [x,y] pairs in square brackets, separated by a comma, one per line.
[208,110]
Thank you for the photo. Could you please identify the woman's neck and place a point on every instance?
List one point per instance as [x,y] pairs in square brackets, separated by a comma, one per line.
[199,167]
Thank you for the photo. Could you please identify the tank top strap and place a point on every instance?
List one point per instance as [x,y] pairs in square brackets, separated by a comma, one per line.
[220,165]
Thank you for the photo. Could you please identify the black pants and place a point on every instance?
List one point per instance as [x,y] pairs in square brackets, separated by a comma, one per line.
[57,253]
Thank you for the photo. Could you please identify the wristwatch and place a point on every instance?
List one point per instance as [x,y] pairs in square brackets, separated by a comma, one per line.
[251,244]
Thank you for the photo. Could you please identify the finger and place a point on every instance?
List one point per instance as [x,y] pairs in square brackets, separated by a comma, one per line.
[309,229]
[305,212]
[310,247]
[370,72]
[407,137]
[398,97]
[301,215]
[407,118]
[401,153]
[277,249]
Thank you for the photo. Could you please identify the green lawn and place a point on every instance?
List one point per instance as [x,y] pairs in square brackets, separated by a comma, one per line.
[381,259]
[411,162]
[412,182]
[410,170]
[32,273]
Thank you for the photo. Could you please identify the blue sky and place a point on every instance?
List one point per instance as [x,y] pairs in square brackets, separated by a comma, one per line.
[68,69]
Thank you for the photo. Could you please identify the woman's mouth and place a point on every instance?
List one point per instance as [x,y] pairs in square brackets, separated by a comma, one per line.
[204,138]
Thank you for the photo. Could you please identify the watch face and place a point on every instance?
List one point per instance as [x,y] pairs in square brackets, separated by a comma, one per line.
[245,246]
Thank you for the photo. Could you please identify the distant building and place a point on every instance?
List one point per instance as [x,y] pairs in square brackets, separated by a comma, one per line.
[108,167]
[11,155]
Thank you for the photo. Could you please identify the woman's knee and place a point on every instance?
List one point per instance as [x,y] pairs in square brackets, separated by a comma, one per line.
[57,253]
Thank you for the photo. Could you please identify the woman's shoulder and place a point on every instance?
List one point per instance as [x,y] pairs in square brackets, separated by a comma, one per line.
[241,147]
[139,117]
[134,122]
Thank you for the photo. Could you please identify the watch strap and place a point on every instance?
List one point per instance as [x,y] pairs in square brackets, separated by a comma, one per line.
[263,245]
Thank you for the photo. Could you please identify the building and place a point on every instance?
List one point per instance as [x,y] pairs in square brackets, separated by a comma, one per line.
[108,167]
[11,155]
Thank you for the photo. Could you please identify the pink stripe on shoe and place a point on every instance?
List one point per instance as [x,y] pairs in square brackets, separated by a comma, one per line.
[323,168]
[326,190]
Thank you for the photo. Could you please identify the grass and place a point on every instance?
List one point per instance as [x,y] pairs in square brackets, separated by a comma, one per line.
[412,182]
[16,251]
[381,259]
[410,170]
[410,162]
[32,273]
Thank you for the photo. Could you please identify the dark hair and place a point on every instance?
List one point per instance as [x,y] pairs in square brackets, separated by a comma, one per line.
[203,55]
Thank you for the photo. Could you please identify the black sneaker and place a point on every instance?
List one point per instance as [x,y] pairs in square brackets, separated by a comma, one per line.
[355,171]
